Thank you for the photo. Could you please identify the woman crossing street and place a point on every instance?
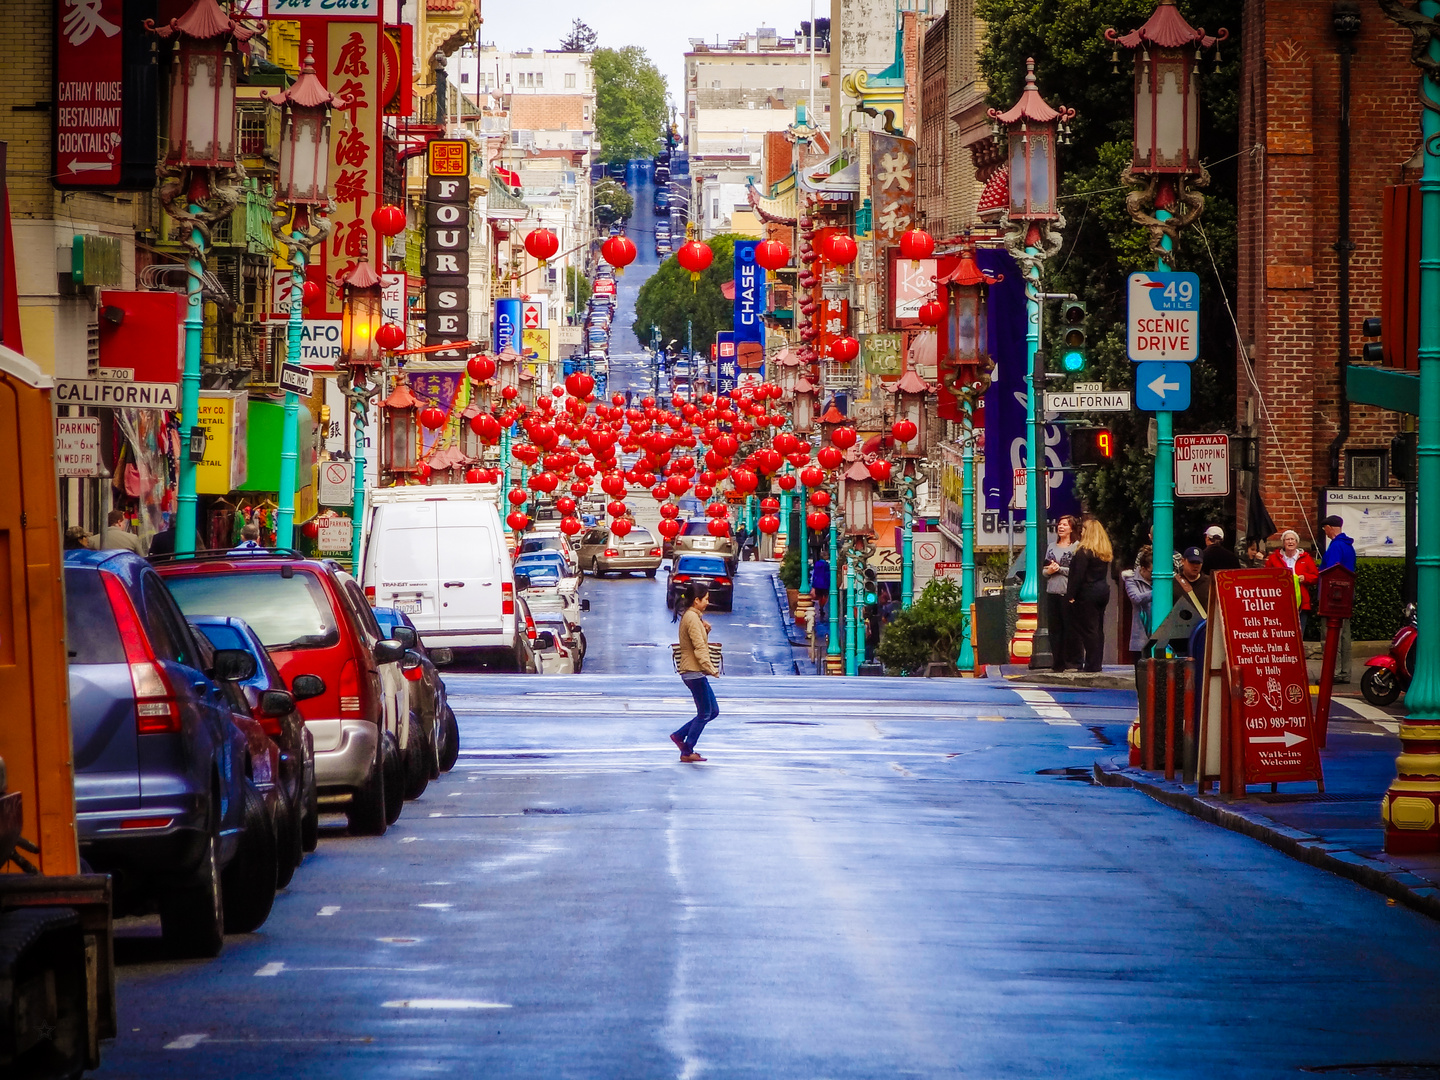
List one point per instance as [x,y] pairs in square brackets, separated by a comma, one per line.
[695,664]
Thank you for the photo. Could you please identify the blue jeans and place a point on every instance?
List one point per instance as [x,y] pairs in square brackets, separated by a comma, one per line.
[706,709]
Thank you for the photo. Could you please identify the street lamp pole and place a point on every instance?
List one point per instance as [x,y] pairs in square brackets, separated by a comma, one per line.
[1032,128]
[1412,803]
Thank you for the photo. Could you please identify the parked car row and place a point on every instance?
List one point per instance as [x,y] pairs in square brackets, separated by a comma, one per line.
[219,704]
[547,578]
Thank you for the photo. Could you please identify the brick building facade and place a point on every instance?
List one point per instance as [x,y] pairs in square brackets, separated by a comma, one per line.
[1292,301]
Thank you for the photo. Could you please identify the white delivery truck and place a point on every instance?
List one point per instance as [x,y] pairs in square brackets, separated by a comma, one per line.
[439,555]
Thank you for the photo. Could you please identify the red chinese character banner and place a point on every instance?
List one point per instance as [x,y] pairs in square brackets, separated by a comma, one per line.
[352,70]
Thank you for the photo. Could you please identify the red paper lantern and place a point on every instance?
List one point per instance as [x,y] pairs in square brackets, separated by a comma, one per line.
[565,504]
[432,417]
[718,527]
[916,244]
[613,485]
[571,525]
[785,443]
[786,482]
[717,510]
[619,252]
[818,520]
[312,292]
[677,485]
[541,244]
[904,430]
[615,508]
[880,469]
[820,498]
[843,437]
[518,520]
[694,256]
[812,476]
[620,526]
[841,250]
[704,491]
[310,530]
[517,496]
[829,457]
[480,368]
[769,504]
[668,528]
[845,348]
[476,476]
[579,384]
[669,510]
[744,480]
[772,254]
[388,220]
[931,312]
[390,336]
[726,445]
[769,524]
[422,472]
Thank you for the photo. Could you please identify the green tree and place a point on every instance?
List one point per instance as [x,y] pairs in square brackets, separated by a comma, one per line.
[669,298]
[630,113]
[577,288]
[1103,244]
[612,202]
[580,39]
[930,630]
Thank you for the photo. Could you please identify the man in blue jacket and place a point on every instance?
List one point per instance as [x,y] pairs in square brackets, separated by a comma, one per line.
[1339,551]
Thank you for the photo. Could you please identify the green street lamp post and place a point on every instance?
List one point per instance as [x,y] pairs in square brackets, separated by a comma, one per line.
[360,357]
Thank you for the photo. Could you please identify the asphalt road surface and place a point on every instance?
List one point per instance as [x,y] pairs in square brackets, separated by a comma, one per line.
[868,878]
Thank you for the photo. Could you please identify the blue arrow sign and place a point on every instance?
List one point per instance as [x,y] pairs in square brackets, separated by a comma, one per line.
[1162,387]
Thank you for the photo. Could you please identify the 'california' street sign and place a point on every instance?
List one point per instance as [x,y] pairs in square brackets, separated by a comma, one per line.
[1105,401]
[113,394]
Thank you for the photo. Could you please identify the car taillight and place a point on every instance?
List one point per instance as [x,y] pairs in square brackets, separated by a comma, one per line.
[655,551]
[560,645]
[370,595]
[611,553]
[507,598]
[350,688]
[415,674]
[681,577]
[156,711]
[720,581]
[529,628]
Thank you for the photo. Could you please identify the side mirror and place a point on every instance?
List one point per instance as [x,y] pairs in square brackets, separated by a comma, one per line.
[585,604]
[305,687]
[276,703]
[233,665]
[405,635]
[442,657]
[410,661]
[522,582]
[388,651]
[544,640]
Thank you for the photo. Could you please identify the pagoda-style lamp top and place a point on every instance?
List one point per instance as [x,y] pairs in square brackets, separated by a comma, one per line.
[305,136]
[1168,51]
[857,497]
[361,314]
[1033,128]
[202,85]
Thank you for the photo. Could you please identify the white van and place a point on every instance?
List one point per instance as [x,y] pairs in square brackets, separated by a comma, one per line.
[439,555]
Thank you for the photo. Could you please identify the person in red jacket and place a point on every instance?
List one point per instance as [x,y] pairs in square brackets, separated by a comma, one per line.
[1292,557]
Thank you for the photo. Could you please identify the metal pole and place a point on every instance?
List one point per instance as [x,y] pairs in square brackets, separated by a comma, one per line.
[804,542]
[907,539]
[190,391]
[785,511]
[290,432]
[357,510]
[967,539]
[850,629]
[1162,570]
[1412,803]
[832,647]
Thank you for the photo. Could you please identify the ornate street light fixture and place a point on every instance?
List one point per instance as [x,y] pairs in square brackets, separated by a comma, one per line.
[197,189]
[400,431]
[802,415]
[857,499]
[360,355]
[1032,129]
[299,207]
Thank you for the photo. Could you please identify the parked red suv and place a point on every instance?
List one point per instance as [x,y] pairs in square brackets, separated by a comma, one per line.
[312,619]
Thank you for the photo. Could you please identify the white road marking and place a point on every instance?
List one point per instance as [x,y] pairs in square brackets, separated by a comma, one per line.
[442,1003]
[399,940]
[408,839]
[270,970]
[436,906]
[186,1042]
[328,909]
[1046,707]
[1370,712]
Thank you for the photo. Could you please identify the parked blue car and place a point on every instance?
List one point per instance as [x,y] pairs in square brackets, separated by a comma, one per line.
[163,800]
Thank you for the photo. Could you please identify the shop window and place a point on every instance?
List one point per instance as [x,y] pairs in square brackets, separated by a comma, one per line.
[1366,469]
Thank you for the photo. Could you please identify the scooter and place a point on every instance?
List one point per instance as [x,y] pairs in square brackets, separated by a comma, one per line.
[1387,677]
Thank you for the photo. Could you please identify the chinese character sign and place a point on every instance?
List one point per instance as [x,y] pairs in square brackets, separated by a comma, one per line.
[892,185]
[88,84]
[352,70]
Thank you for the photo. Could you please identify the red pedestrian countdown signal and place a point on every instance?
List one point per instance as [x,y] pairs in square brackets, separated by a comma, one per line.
[1091,446]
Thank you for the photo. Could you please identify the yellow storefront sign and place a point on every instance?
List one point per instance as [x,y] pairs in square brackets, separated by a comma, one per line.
[223,415]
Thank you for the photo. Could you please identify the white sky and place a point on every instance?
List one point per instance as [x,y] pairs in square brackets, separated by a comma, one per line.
[663,28]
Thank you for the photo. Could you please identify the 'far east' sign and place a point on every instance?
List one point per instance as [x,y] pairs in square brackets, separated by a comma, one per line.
[1202,465]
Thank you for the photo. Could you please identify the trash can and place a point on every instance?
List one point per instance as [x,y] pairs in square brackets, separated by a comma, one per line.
[991,638]
[1165,687]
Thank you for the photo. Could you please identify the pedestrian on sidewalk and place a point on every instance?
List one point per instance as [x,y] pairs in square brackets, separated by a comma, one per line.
[1292,557]
[1057,577]
[1254,556]
[1191,580]
[820,585]
[1140,590]
[116,536]
[1088,592]
[1339,551]
[695,665]
[810,638]
[1217,555]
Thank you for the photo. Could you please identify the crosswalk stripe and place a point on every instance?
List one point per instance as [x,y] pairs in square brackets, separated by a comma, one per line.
[1046,707]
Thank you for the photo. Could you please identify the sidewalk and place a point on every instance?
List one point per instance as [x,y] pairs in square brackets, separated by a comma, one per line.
[1339,830]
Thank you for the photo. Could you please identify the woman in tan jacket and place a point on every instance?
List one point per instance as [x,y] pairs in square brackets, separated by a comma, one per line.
[695,665]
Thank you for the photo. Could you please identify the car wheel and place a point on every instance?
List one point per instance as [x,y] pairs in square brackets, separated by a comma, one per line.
[289,825]
[394,778]
[310,824]
[367,809]
[251,877]
[417,760]
[432,759]
[192,917]
[651,572]
[451,752]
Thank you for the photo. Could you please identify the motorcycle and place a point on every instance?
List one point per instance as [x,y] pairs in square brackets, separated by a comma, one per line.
[1387,677]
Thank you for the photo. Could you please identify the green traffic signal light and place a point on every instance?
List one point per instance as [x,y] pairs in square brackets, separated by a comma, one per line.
[872,587]
[1072,317]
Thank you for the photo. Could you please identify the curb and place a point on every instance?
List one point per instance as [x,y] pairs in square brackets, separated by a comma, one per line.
[1087,681]
[1380,875]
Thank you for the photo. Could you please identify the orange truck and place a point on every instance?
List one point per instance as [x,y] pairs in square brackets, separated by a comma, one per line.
[57,980]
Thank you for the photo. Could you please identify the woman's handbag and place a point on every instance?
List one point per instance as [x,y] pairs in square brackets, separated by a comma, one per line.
[716,656]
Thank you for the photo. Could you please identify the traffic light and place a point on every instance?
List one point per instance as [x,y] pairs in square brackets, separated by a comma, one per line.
[1373,351]
[871,588]
[1091,445]
[1072,332]
[1402,456]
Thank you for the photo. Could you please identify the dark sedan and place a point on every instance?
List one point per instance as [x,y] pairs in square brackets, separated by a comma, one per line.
[711,570]
[426,686]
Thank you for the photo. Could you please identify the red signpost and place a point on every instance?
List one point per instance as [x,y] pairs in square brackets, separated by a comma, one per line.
[1266,734]
[1336,602]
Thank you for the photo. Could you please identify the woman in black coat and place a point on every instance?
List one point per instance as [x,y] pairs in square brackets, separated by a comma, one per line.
[1089,591]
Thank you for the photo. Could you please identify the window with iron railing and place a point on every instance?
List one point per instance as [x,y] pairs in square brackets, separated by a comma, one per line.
[254,123]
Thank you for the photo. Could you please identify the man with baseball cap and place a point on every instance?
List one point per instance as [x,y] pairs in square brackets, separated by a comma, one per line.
[1192,580]
[1217,555]
[1339,551]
